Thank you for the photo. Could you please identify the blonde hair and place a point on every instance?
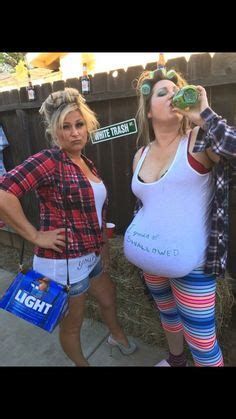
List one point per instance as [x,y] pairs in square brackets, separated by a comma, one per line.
[146,132]
[58,104]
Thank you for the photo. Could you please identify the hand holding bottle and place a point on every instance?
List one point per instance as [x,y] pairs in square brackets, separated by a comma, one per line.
[193,112]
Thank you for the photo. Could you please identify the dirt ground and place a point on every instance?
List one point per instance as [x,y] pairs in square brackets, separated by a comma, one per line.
[9,259]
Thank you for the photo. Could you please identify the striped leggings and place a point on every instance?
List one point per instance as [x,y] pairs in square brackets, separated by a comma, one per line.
[188,304]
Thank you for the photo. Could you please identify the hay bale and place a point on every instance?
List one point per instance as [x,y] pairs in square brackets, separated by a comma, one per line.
[135,310]
[224,305]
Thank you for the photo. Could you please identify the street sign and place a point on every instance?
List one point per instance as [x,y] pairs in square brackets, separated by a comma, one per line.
[110,132]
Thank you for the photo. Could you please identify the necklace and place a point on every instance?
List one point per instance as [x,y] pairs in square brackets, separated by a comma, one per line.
[166,145]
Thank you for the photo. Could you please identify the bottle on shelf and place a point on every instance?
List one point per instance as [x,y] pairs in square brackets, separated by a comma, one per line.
[85,81]
[31,91]
[161,61]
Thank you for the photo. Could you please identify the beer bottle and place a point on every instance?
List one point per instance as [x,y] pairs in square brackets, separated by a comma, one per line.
[85,81]
[161,61]
[186,97]
[31,91]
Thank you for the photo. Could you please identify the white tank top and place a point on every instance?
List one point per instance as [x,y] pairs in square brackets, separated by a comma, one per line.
[100,194]
[169,234]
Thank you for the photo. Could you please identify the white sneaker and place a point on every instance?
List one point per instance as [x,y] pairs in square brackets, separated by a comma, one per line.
[162,363]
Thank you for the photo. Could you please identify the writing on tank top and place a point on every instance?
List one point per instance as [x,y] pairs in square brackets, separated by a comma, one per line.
[169,234]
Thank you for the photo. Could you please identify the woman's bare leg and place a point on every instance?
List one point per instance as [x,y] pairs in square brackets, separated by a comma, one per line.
[103,290]
[70,328]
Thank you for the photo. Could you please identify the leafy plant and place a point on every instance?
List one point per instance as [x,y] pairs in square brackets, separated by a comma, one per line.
[9,60]
[21,71]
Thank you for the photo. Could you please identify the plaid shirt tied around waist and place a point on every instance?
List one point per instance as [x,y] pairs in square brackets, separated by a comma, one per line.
[42,172]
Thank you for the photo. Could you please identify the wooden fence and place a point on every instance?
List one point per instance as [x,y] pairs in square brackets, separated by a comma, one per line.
[114,100]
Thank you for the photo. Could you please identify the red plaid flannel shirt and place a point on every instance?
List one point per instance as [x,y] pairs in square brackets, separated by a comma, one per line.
[42,172]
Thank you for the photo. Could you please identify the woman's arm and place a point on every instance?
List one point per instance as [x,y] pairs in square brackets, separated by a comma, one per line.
[215,136]
[11,212]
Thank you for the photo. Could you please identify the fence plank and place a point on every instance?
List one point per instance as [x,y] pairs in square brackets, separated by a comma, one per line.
[99,83]
[179,64]
[199,65]
[116,83]
[224,64]
[14,96]
[75,83]
[58,85]
[132,75]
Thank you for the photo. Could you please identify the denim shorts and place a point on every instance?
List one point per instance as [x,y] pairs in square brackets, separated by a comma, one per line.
[82,286]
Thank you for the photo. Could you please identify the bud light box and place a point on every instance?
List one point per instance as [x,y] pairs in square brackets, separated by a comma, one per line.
[44,308]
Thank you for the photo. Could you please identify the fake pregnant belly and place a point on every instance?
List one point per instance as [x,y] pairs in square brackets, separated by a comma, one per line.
[158,254]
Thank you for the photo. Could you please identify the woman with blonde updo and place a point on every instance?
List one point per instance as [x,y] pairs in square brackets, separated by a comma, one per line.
[53,173]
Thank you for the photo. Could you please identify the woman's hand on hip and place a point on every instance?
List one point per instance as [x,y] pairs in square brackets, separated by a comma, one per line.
[52,239]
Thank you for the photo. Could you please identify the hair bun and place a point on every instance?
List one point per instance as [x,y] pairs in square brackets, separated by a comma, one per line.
[59,98]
